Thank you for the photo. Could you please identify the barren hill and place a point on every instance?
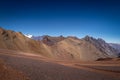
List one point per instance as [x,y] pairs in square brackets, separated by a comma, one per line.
[81,49]
[68,48]
[17,41]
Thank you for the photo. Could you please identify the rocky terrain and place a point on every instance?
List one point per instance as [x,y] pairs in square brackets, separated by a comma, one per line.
[36,67]
[115,45]
[56,58]
[8,73]
[69,48]
[73,48]
[17,41]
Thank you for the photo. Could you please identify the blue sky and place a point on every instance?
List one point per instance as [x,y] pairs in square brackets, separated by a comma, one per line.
[97,18]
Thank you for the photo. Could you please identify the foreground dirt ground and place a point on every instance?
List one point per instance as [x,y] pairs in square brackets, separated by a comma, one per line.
[36,67]
[8,73]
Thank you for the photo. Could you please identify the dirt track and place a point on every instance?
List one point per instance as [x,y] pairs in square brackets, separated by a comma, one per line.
[41,69]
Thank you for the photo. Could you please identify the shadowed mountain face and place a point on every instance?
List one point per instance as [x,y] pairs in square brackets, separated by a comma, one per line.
[48,39]
[116,46]
[85,49]
[101,45]
[69,48]
[52,40]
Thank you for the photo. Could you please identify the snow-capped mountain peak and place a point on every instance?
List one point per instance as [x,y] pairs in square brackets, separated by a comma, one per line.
[28,35]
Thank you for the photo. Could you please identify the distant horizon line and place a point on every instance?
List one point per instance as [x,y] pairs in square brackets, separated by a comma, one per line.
[62,35]
[71,36]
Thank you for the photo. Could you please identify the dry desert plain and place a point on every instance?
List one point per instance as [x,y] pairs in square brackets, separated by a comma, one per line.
[16,65]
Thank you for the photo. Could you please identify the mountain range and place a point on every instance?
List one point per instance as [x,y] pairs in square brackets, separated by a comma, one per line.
[115,45]
[67,48]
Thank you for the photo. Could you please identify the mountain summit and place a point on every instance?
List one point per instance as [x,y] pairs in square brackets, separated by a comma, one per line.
[29,35]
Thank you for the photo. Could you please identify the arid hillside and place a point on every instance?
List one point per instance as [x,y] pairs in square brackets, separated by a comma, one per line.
[56,58]
[68,48]
[17,41]
[80,49]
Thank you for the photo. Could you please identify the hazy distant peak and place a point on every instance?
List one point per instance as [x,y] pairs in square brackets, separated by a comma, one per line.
[37,37]
[89,38]
[115,45]
[101,40]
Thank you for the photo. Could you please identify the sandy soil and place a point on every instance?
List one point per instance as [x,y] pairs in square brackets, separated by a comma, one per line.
[8,73]
[39,68]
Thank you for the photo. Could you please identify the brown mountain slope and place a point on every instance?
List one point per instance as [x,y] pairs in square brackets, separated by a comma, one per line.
[17,41]
[52,40]
[77,49]
[69,48]
[86,49]
[101,45]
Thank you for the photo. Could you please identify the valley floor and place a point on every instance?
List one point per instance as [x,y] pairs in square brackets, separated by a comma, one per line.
[36,67]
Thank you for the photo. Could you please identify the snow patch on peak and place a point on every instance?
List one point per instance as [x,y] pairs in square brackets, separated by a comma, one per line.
[28,35]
